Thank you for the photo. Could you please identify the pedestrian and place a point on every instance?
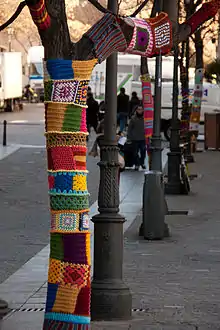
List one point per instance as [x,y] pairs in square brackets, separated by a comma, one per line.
[134,101]
[136,135]
[122,109]
[92,112]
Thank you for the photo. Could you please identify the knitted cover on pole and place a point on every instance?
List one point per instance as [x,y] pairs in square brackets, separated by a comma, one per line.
[196,102]
[68,294]
[151,36]
[148,105]
[184,125]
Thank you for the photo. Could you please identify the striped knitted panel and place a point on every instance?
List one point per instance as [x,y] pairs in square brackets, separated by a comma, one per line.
[148,106]
[107,37]
[69,283]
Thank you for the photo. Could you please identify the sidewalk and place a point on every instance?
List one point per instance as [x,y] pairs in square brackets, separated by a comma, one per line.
[174,283]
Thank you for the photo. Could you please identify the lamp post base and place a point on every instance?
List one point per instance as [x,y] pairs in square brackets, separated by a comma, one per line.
[111,298]
[174,185]
[110,301]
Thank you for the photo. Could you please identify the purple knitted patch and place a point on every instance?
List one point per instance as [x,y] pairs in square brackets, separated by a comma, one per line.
[74,246]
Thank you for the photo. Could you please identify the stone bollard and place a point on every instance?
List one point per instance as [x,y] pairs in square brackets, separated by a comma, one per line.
[154,211]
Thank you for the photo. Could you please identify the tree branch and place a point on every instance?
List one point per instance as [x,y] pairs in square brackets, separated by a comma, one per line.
[98,6]
[138,10]
[14,16]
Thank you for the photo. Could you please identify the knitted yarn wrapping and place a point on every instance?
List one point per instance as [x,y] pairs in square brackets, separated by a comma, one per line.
[69,287]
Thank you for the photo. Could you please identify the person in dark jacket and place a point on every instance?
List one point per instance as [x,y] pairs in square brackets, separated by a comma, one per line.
[92,112]
[134,101]
[122,109]
[136,135]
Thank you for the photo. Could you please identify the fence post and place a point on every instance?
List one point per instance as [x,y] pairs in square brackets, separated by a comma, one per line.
[4,133]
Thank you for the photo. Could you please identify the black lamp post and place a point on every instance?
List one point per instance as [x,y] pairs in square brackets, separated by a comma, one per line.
[154,226]
[173,185]
[111,298]
[189,157]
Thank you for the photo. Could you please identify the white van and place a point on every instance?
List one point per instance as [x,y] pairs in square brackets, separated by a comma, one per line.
[210,100]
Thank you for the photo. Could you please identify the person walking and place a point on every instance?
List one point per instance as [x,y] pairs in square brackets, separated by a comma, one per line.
[136,135]
[122,109]
[92,112]
[134,101]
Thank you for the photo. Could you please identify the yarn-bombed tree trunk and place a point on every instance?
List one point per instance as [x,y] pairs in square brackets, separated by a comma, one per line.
[66,82]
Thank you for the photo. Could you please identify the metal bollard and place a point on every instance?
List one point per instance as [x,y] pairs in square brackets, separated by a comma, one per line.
[4,133]
[153,207]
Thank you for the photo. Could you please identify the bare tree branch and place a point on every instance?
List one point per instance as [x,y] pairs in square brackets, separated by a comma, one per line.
[14,16]
[98,6]
[138,10]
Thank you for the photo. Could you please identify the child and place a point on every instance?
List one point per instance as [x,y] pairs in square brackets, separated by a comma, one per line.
[136,135]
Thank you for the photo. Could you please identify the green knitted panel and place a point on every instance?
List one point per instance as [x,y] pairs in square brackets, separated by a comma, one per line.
[72,119]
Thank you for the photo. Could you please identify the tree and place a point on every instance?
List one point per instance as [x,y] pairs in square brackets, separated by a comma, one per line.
[68,67]
[212,71]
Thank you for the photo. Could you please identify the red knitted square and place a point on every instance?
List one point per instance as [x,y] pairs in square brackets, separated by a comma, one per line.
[83,302]
[61,158]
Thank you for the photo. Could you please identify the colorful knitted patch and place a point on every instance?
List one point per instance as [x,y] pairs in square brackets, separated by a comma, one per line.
[40,15]
[75,275]
[60,69]
[107,37]
[65,221]
[84,221]
[51,296]
[56,246]
[83,69]
[64,91]
[65,139]
[65,300]
[62,117]
[53,324]
[68,182]
[151,36]
[76,248]
[68,318]
[197,101]
[81,96]
[69,221]
[83,302]
[142,39]
[66,202]
[66,158]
